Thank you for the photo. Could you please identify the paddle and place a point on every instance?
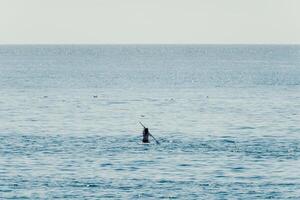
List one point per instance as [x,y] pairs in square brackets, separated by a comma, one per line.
[150,134]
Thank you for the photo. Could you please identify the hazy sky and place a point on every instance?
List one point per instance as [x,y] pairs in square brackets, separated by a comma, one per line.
[149,21]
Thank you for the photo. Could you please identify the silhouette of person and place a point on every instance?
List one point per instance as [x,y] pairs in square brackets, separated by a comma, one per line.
[146,135]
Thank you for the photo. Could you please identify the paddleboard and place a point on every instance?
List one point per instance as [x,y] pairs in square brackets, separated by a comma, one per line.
[142,143]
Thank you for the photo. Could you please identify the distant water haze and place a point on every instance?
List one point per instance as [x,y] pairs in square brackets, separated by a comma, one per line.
[148,66]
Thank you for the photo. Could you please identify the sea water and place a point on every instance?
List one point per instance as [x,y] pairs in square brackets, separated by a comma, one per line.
[227,118]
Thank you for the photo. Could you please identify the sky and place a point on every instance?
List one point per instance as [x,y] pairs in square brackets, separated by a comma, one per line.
[150,21]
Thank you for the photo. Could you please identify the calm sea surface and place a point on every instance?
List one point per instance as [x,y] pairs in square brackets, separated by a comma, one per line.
[227,118]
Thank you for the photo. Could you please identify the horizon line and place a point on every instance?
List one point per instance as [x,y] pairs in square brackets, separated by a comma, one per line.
[137,44]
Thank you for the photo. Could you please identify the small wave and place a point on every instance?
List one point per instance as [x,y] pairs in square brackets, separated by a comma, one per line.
[245,128]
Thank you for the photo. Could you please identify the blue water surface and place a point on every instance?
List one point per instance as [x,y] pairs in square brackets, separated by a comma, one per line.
[227,118]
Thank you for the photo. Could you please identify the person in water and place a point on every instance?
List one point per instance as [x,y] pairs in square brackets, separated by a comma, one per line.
[146,135]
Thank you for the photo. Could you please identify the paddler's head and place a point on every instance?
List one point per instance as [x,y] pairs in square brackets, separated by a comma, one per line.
[146,130]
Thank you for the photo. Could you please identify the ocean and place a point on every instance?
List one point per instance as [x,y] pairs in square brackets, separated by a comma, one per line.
[227,118]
